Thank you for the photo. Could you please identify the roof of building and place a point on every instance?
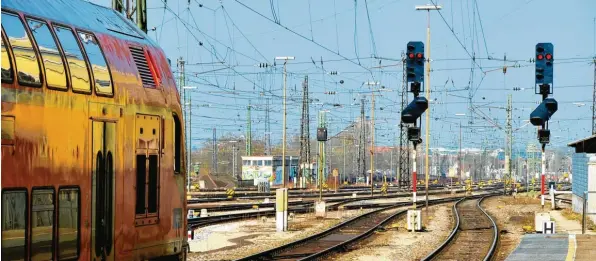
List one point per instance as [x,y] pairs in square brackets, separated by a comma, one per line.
[83,15]
[585,145]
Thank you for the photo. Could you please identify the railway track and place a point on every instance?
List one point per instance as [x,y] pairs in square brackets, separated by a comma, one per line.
[474,236]
[339,237]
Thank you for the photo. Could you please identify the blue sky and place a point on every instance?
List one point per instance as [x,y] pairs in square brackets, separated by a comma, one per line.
[234,38]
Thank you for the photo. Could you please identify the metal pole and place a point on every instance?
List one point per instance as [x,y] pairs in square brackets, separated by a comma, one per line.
[414,176]
[320,165]
[542,178]
[344,168]
[460,165]
[283,145]
[427,129]
[372,145]
[391,163]
[584,212]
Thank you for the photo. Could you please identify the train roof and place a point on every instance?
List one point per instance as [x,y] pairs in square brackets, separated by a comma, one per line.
[84,15]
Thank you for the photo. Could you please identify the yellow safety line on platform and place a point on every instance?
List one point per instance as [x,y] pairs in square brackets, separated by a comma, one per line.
[571,249]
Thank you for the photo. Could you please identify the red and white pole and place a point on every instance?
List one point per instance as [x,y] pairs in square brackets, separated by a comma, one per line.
[542,178]
[414,177]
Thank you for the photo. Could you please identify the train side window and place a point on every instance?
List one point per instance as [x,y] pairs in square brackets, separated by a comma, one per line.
[79,72]
[6,65]
[177,145]
[68,223]
[14,224]
[50,55]
[99,66]
[42,224]
[28,70]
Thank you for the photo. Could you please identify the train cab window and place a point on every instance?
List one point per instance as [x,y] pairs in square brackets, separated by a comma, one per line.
[14,224]
[50,55]
[79,73]
[6,65]
[68,223]
[177,145]
[28,72]
[99,66]
[42,224]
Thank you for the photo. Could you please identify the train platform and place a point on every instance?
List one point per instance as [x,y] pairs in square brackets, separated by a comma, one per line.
[555,247]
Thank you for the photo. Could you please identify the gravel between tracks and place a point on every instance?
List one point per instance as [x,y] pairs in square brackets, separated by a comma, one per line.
[396,243]
[511,215]
[231,241]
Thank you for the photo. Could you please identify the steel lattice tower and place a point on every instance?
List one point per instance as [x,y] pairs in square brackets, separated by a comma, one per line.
[267,131]
[305,133]
[214,155]
[362,142]
[404,149]
[248,131]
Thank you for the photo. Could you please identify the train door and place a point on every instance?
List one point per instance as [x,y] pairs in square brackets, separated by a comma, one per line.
[102,205]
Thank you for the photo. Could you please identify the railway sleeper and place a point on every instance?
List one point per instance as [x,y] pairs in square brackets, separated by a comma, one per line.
[477,228]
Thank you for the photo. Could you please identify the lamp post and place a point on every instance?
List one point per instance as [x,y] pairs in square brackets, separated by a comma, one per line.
[283,145]
[427,8]
[188,136]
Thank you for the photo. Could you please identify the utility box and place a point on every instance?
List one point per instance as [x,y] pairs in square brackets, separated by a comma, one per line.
[539,219]
[320,209]
[414,220]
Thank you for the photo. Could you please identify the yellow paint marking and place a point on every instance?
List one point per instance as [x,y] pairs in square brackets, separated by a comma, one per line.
[571,248]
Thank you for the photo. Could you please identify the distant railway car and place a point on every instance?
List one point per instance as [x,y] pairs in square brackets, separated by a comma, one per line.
[262,168]
[92,152]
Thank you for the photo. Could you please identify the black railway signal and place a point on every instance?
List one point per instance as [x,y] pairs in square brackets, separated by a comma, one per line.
[543,112]
[415,62]
[544,64]
[414,110]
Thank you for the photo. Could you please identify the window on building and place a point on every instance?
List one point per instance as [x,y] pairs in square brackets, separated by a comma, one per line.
[177,145]
[79,72]
[267,162]
[68,223]
[99,66]
[28,70]
[14,224]
[42,224]
[50,55]
[259,163]
[6,65]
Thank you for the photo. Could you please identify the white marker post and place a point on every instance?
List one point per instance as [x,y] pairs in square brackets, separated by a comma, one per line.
[281,209]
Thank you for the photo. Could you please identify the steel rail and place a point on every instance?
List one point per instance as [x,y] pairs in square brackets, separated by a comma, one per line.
[269,254]
[450,238]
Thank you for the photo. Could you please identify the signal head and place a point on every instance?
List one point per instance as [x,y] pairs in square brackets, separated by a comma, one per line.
[414,110]
[415,62]
[543,112]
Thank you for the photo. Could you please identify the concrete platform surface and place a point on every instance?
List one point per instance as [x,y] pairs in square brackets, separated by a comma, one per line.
[555,247]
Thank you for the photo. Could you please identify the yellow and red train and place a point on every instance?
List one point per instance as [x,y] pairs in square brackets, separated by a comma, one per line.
[93,162]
